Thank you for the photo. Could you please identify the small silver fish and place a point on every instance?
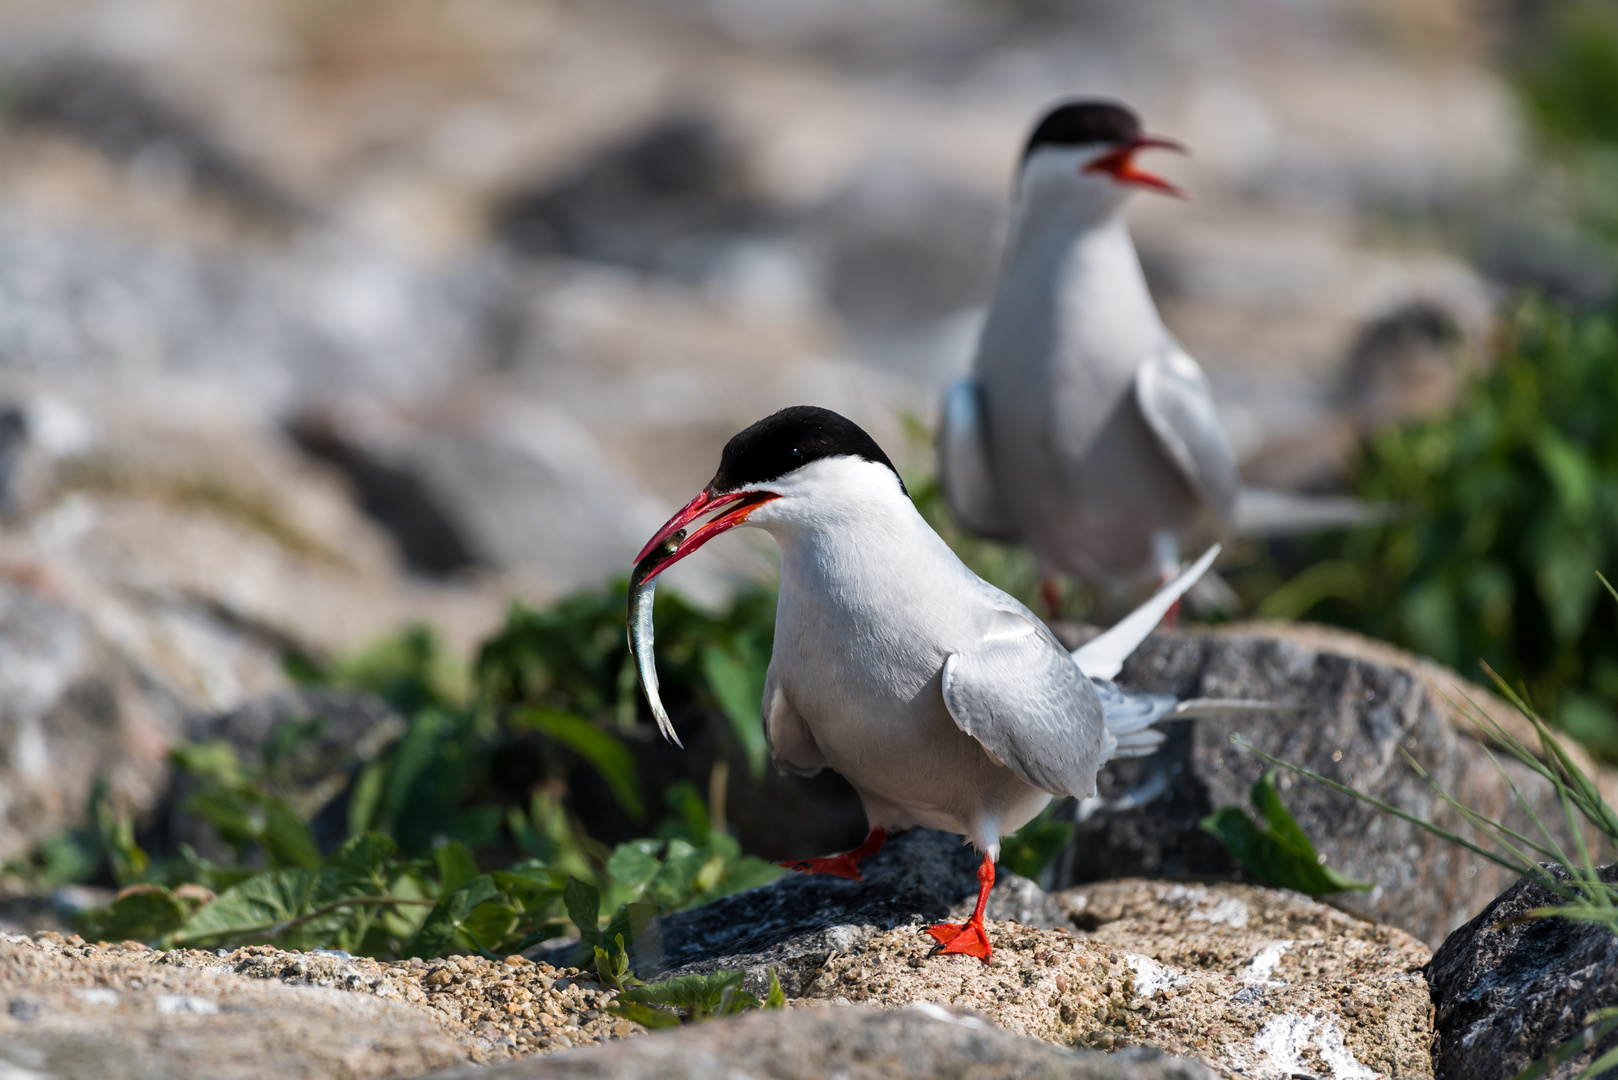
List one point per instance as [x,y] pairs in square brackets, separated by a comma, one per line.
[640,631]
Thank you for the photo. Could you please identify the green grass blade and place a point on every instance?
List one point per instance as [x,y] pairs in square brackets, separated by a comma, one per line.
[1528,870]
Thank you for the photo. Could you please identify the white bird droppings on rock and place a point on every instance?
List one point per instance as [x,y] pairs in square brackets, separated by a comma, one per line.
[1150,976]
[1263,965]
[170,1004]
[1288,1043]
[1230,911]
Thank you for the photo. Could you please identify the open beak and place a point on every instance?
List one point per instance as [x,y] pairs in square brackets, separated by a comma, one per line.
[1119,163]
[671,543]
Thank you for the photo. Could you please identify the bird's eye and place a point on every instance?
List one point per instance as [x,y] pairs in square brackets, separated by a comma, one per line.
[796,453]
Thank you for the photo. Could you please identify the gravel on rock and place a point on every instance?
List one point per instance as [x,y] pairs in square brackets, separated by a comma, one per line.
[493,1009]
[921,1043]
[1258,983]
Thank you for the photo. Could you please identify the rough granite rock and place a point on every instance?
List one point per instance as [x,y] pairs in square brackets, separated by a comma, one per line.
[1508,995]
[71,714]
[1359,703]
[72,1012]
[1256,982]
[465,1008]
[920,1043]
[1259,983]
[798,921]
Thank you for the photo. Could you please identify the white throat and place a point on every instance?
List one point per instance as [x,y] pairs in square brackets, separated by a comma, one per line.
[1088,265]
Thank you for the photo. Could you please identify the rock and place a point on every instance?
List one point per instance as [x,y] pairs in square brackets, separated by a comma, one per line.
[795,923]
[73,1011]
[1508,995]
[667,200]
[1257,982]
[1359,704]
[72,716]
[65,997]
[922,1043]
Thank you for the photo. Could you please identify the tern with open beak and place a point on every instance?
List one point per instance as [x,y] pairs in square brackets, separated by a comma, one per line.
[942,700]
[1085,430]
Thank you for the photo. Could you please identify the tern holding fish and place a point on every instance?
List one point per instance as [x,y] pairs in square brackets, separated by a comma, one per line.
[943,701]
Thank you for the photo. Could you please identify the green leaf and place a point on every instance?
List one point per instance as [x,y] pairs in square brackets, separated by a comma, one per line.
[254,906]
[777,997]
[365,798]
[701,995]
[612,965]
[456,866]
[583,903]
[633,865]
[630,921]
[647,1016]
[286,837]
[1280,854]
[141,912]
[449,916]
[605,752]
[736,678]
[1030,849]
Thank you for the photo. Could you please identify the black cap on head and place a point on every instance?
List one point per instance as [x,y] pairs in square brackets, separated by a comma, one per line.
[791,439]
[1084,123]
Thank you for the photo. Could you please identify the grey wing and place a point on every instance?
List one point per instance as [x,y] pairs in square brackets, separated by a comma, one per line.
[1022,697]
[792,745]
[963,465]
[1177,403]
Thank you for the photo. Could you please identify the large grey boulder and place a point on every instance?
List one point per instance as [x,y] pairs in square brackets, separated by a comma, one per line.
[1508,993]
[1356,707]
[922,1043]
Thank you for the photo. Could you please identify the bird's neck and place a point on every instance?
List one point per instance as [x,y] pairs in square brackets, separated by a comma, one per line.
[873,555]
[1088,258]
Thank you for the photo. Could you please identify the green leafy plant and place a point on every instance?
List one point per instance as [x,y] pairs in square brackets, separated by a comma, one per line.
[1571,82]
[1032,848]
[1513,506]
[693,997]
[1275,849]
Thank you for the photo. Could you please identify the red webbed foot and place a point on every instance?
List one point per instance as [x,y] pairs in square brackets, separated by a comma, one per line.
[968,938]
[846,865]
[836,865]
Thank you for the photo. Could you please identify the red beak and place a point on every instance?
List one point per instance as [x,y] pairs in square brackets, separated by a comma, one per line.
[670,544]
[1119,163]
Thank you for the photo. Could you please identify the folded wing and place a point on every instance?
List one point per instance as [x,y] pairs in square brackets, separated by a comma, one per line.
[1019,694]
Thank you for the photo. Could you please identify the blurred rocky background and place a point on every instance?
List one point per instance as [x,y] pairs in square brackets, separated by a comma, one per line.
[349,350]
[319,320]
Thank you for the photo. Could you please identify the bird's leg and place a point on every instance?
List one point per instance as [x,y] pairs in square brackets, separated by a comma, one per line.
[845,865]
[969,937]
[1166,550]
[1050,594]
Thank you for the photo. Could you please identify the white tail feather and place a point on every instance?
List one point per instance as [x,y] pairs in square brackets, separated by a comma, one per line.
[1103,655]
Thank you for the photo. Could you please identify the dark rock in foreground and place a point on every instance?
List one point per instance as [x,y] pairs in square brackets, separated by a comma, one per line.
[927,1041]
[798,921]
[1509,995]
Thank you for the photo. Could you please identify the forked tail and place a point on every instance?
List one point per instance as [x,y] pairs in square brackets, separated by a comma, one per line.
[1130,714]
